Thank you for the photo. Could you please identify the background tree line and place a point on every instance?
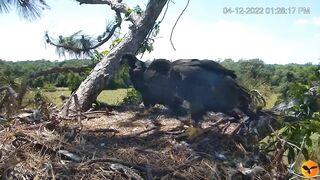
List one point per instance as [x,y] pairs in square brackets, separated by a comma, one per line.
[273,78]
[13,72]
[253,74]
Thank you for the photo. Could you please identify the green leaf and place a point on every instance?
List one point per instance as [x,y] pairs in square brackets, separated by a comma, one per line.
[305,153]
[309,141]
[128,12]
[291,155]
[106,52]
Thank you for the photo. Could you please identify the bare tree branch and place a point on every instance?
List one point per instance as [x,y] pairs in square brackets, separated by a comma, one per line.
[117,6]
[10,90]
[62,70]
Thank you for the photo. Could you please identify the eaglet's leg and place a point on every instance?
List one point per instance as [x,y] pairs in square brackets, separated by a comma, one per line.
[195,129]
[149,107]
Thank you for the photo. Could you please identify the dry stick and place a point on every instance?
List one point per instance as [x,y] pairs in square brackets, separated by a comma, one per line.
[290,168]
[283,140]
[105,130]
[52,172]
[149,172]
[278,155]
[141,168]
[139,133]
[76,102]
[214,125]
[180,167]
[175,24]
[66,113]
[137,167]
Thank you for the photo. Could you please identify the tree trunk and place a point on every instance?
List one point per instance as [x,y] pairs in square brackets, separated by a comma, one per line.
[104,71]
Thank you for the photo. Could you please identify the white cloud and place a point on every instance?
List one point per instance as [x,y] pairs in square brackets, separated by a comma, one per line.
[226,39]
[313,21]
[317,35]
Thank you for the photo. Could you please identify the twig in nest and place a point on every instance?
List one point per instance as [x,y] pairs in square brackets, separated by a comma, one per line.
[181,167]
[65,113]
[137,167]
[130,173]
[283,140]
[103,130]
[77,104]
[214,125]
[43,149]
[149,173]
[107,130]
[240,146]
[278,154]
[175,24]
[290,168]
[142,132]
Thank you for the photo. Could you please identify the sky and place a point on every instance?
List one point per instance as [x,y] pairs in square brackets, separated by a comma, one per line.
[207,30]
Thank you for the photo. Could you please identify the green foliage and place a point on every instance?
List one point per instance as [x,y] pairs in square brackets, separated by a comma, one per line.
[132,97]
[115,43]
[128,12]
[61,81]
[251,73]
[74,81]
[303,117]
[12,73]
[291,81]
[29,10]
[121,79]
[137,9]
[38,82]
[49,88]
[146,46]
[309,102]
[98,56]
[39,98]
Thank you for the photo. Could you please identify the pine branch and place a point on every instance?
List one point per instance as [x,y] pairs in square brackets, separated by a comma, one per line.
[29,10]
[83,45]
[117,6]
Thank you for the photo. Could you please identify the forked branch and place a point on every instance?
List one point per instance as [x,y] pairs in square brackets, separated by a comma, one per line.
[117,6]
[82,45]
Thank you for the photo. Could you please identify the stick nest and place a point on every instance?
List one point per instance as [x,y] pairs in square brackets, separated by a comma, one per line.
[129,145]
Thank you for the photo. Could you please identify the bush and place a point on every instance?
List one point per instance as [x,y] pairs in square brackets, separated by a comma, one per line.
[132,97]
[61,81]
[49,88]
[38,82]
[74,81]
[121,79]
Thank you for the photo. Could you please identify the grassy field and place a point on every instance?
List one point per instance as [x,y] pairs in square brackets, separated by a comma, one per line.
[271,100]
[111,97]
